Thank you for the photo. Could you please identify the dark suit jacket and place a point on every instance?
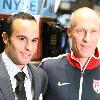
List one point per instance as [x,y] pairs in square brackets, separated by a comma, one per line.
[37,75]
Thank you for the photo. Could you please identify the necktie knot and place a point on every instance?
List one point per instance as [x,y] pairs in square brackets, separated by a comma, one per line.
[20,76]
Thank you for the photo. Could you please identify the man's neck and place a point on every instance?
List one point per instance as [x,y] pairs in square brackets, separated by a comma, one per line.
[83,61]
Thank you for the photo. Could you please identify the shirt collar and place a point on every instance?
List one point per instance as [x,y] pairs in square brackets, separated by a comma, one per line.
[96,55]
[93,62]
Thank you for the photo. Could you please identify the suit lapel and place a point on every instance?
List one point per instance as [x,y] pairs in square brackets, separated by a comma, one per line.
[35,82]
[5,84]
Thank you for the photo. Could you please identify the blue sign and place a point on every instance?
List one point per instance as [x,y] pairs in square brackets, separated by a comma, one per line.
[14,6]
[35,7]
[48,8]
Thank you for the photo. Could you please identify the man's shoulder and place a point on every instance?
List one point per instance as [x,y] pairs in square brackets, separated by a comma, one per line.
[35,68]
[0,57]
[53,61]
[1,61]
[39,72]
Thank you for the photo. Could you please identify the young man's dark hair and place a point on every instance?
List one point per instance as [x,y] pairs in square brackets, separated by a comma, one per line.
[8,24]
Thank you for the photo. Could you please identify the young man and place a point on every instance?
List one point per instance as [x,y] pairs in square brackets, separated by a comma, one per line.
[21,38]
[76,75]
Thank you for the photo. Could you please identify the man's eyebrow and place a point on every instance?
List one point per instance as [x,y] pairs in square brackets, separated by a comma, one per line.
[26,37]
[36,38]
[19,36]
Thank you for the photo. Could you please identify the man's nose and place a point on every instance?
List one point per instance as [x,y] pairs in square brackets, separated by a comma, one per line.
[28,46]
[87,37]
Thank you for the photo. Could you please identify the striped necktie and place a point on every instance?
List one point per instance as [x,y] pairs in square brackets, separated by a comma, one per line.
[20,89]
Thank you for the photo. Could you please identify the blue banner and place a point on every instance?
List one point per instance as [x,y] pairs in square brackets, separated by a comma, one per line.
[48,8]
[34,7]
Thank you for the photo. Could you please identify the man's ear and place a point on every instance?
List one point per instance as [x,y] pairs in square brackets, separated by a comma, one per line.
[69,31]
[5,37]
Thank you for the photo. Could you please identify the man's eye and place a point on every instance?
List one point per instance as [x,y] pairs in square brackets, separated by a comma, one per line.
[21,38]
[35,40]
[80,31]
[93,31]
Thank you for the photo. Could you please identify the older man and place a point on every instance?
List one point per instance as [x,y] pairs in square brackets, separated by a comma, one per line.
[76,75]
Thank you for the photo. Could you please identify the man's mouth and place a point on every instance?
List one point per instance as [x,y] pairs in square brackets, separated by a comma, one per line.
[86,46]
[26,55]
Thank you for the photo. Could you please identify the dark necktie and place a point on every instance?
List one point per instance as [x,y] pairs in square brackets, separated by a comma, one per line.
[20,89]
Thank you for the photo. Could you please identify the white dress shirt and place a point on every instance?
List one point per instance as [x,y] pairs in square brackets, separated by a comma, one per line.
[12,71]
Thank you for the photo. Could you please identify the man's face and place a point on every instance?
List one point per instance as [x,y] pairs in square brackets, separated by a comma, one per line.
[85,35]
[23,41]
